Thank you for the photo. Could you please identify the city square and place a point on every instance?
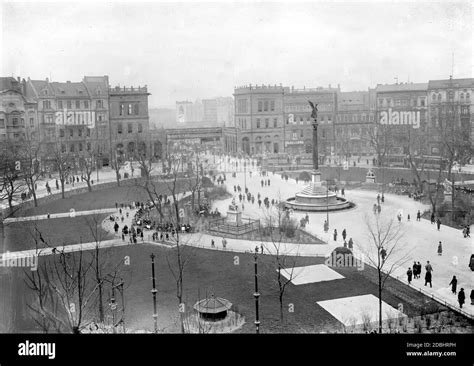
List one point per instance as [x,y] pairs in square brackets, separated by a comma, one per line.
[184,193]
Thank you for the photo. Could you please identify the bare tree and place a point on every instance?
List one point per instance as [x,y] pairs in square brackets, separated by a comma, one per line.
[383,251]
[87,163]
[30,153]
[12,183]
[282,258]
[62,164]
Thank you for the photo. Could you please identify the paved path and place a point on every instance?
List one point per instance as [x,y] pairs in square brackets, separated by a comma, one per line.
[59,215]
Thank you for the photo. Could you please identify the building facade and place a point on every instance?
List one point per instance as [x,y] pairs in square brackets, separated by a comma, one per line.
[298,123]
[450,101]
[18,114]
[401,114]
[354,123]
[259,119]
[73,119]
[129,122]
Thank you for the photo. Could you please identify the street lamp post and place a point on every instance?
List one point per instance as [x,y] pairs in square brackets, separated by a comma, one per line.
[256,294]
[154,291]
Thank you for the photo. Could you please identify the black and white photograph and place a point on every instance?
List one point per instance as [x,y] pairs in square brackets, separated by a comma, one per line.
[214,169]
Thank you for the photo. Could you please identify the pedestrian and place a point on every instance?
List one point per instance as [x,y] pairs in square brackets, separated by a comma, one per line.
[453,284]
[344,234]
[383,198]
[261,248]
[438,223]
[415,270]
[212,243]
[428,276]
[408,217]
[440,249]
[343,192]
[326,226]
[432,218]
[409,275]
[418,216]
[379,209]
[378,198]
[419,269]
[224,243]
[335,235]
[375,208]
[306,219]
[472,297]
[461,298]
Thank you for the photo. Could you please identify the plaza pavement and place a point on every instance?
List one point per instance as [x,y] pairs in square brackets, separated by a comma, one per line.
[419,242]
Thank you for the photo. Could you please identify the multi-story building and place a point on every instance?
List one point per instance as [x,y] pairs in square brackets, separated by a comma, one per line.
[354,123]
[401,114]
[276,119]
[18,114]
[129,122]
[259,121]
[189,112]
[297,116]
[73,119]
[451,101]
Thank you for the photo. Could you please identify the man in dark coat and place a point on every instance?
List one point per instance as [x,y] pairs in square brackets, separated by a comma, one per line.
[453,284]
[409,275]
[461,297]
[438,223]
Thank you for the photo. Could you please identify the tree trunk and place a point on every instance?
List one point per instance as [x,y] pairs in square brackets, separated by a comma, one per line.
[380,302]
[35,200]
[62,189]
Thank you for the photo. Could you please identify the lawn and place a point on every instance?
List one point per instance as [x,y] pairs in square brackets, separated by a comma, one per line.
[215,272]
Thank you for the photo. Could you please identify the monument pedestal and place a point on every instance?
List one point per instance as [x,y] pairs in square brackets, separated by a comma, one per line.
[370,177]
[234,217]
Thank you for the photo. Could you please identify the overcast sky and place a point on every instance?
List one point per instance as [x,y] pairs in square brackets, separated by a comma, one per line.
[201,50]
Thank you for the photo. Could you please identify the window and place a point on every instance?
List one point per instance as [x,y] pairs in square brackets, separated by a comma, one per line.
[267,122]
[49,118]
[433,97]
[46,104]
[242,106]
[60,104]
[71,148]
[22,122]
[86,104]
[450,95]
[265,106]
[78,104]
[422,102]
[122,109]
[79,132]
[99,104]
[140,128]
[301,133]
[69,104]
[260,105]
[258,122]
[119,128]
[80,146]
[467,96]
[2,123]
[88,146]
[439,97]
[63,148]
[32,122]
[71,132]
[61,133]
[135,109]
[294,136]
[88,132]
[272,105]
[275,122]
[129,109]
[15,122]
[129,128]
[323,133]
